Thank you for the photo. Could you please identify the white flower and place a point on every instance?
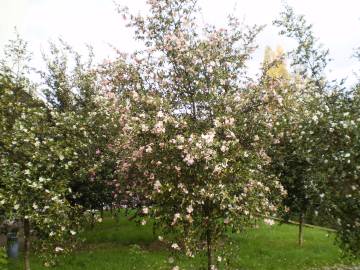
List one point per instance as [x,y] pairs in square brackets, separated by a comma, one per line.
[208,137]
[144,128]
[135,95]
[72,232]
[59,249]
[224,148]
[175,246]
[16,206]
[176,268]
[145,210]
[160,114]
[148,149]
[176,217]
[143,222]
[157,185]
[189,209]
[269,221]
[160,238]
[217,123]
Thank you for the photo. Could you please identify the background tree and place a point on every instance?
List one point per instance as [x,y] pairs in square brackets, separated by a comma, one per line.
[339,141]
[73,87]
[304,106]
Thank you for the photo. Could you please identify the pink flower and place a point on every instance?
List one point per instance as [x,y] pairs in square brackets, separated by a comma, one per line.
[189,160]
[159,127]
[229,121]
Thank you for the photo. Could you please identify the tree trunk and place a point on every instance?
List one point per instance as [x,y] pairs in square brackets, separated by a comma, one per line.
[154,230]
[102,213]
[116,215]
[92,221]
[209,248]
[26,244]
[301,229]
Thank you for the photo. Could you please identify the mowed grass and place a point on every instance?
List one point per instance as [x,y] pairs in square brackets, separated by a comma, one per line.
[126,245]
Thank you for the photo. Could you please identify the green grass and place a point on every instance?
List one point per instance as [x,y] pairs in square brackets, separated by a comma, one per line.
[125,246]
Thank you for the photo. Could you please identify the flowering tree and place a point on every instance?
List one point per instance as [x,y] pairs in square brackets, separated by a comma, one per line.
[316,156]
[341,165]
[38,158]
[303,116]
[33,175]
[74,88]
[196,129]
[339,141]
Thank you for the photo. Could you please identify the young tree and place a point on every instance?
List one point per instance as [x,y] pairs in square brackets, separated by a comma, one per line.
[33,176]
[74,88]
[340,143]
[316,157]
[195,129]
[34,171]
[301,119]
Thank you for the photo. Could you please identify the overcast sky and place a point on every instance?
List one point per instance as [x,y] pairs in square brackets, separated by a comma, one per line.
[95,22]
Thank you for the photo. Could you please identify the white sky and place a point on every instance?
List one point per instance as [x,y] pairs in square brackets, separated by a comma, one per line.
[96,22]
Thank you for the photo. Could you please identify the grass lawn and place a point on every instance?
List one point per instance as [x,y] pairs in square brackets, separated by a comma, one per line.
[125,246]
